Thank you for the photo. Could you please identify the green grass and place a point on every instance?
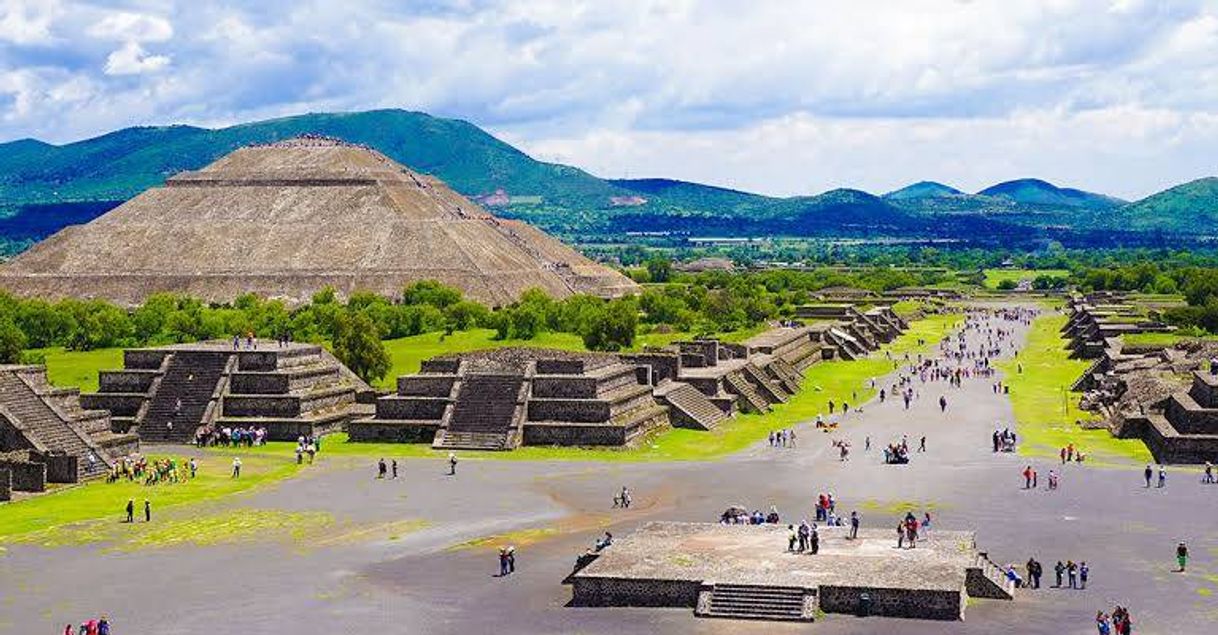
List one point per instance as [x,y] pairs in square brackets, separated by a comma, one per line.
[1163,339]
[79,368]
[1045,409]
[838,380]
[994,276]
[56,518]
[407,353]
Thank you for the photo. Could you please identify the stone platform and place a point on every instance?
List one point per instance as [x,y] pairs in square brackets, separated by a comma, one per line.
[674,564]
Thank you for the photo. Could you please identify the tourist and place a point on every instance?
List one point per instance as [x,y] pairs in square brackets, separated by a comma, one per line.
[103,626]
[194,468]
[1148,473]
[147,511]
[1034,572]
[1181,556]
[900,535]
[236,467]
[1013,576]
[452,464]
[1101,623]
[922,444]
[1058,570]
[381,468]
[867,444]
[814,540]
[926,524]
[1121,622]
[130,510]
[1162,476]
[1072,574]
[1027,477]
[854,525]
[503,562]
[395,468]
[792,538]
[942,403]
[805,534]
[511,559]
[1083,570]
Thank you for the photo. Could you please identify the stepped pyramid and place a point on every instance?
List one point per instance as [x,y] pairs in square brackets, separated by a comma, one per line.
[286,219]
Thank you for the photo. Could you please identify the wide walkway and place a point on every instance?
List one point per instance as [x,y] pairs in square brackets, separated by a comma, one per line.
[416,582]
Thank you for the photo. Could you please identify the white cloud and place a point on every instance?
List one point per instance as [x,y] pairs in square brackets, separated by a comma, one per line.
[777,96]
[132,59]
[124,26]
[27,21]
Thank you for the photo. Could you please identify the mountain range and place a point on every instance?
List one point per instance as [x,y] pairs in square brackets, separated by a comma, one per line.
[44,187]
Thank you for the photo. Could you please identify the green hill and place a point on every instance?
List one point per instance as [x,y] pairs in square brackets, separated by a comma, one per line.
[1187,208]
[923,189]
[1038,192]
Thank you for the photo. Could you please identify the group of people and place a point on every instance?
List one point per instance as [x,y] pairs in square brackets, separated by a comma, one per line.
[1031,478]
[167,470]
[1071,454]
[782,438]
[230,437]
[382,468]
[908,530]
[100,626]
[1119,622]
[1004,440]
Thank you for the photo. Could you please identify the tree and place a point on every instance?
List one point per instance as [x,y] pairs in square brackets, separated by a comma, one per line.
[659,269]
[1007,284]
[357,343]
[612,328]
[12,340]
[430,292]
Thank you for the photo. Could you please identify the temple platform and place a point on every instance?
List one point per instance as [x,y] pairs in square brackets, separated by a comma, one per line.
[745,571]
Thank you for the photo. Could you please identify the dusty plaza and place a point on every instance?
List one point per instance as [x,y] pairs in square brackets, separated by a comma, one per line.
[419,553]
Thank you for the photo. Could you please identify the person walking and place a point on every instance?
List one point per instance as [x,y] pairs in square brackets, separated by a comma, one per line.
[1101,623]
[854,525]
[1072,574]
[236,467]
[381,469]
[130,510]
[395,468]
[1181,556]
[922,444]
[452,464]
[1148,473]
[147,511]
[1162,476]
[1058,570]
[1083,570]
[1209,473]
[194,467]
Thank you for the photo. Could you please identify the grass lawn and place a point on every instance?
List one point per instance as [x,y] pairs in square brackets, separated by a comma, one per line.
[79,368]
[1162,339]
[1045,409]
[70,516]
[994,276]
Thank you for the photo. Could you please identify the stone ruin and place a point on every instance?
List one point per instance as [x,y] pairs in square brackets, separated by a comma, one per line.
[167,394]
[852,332]
[1160,394]
[745,572]
[504,398]
[1096,321]
[48,436]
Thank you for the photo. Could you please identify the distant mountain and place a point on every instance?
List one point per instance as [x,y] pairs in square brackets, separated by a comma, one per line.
[1190,207]
[44,187]
[923,189]
[1038,192]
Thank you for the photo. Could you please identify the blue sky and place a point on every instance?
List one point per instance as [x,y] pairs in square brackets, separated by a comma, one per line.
[783,97]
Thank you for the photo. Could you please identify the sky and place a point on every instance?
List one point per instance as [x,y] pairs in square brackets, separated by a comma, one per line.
[779,97]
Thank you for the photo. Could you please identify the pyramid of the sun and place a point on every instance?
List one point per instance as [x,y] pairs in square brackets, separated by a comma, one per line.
[287,219]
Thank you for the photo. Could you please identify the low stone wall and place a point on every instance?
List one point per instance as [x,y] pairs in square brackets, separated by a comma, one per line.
[445,366]
[259,383]
[26,476]
[262,406]
[578,410]
[564,387]
[539,433]
[411,407]
[915,603]
[1187,417]
[62,469]
[663,365]
[255,361]
[1169,446]
[426,385]
[136,359]
[634,592]
[413,432]
[139,381]
[560,367]
[6,484]
[1205,389]
[119,405]
[291,430]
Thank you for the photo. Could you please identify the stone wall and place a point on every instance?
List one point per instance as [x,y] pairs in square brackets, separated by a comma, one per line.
[255,361]
[426,385]
[564,387]
[262,406]
[915,603]
[1205,389]
[125,381]
[411,408]
[560,367]
[663,365]
[136,359]
[445,366]
[540,433]
[1169,446]
[291,430]
[1189,418]
[6,484]
[62,468]
[634,592]
[580,410]
[26,476]
[259,383]
[414,432]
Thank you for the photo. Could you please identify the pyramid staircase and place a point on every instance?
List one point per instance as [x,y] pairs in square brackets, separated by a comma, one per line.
[786,374]
[691,407]
[195,379]
[745,389]
[771,390]
[986,580]
[757,602]
[485,416]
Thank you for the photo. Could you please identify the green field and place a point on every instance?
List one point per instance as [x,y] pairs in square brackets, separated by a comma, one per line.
[995,276]
[1163,339]
[59,518]
[79,368]
[1045,409]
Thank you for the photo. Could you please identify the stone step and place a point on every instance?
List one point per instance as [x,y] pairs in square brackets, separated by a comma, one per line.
[737,601]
